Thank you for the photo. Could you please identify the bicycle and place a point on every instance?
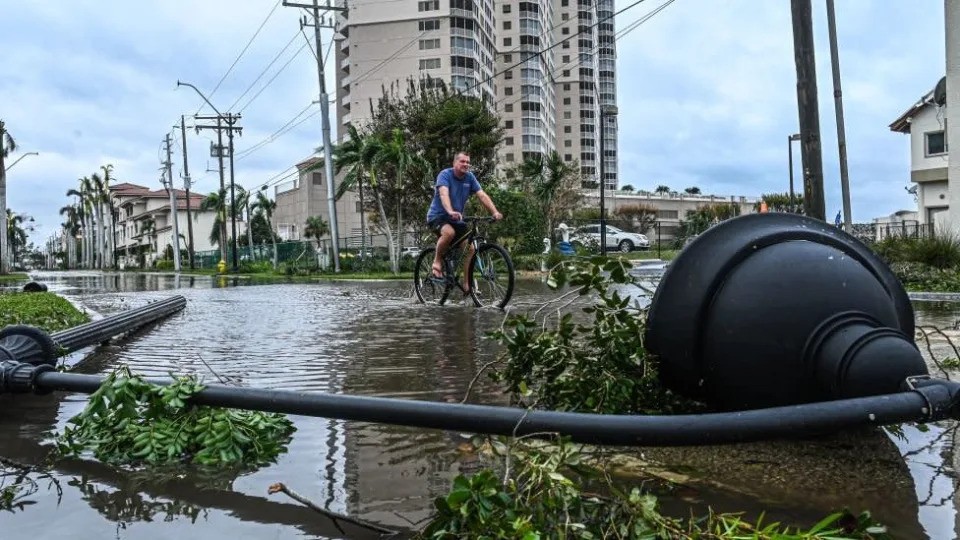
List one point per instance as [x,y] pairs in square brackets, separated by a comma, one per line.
[490,273]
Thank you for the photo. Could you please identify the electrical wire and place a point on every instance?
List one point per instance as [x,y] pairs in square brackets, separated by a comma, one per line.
[275,75]
[239,56]
[278,133]
[262,73]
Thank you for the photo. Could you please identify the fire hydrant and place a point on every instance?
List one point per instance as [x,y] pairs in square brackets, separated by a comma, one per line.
[221,267]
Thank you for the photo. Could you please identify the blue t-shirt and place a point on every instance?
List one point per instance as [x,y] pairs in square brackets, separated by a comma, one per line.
[460,191]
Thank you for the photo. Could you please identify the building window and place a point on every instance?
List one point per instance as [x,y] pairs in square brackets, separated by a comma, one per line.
[510,156]
[566,59]
[359,208]
[567,129]
[567,143]
[508,74]
[508,141]
[508,91]
[507,42]
[508,107]
[317,179]
[565,16]
[668,214]
[566,101]
[566,115]
[567,157]
[565,31]
[426,44]
[428,5]
[506,8]
[429,63]
[508,124]
[508,58]
[564,3]
[429,24]
[566,87]
[566,73]
[506,25]
[936,143]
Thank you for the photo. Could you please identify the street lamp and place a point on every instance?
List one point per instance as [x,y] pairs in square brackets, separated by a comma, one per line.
[606,111]
[233,203]
[21,157]
[790,139]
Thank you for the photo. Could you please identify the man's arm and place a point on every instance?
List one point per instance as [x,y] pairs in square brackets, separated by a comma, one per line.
[488,203]
[445,201]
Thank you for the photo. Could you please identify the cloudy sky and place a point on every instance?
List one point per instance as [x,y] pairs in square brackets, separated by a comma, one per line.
[707,93]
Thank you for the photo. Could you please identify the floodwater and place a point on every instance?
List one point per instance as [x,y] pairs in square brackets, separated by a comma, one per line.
[372,338]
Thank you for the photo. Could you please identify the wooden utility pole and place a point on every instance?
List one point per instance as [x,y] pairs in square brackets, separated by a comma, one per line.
[230,120]
[318,23]
[186,188]
[807,105]
[168,183]
[838,106]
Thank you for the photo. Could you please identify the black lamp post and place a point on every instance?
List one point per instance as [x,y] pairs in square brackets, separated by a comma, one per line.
[605,112]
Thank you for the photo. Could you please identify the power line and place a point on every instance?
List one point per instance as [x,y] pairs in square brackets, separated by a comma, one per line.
[278,133]
[275,75]
[262,73]
[239,56]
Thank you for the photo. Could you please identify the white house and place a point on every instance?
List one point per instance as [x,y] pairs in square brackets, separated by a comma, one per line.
[926,123]
[138,205]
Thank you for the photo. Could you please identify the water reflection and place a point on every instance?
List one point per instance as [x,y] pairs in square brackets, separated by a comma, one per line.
[370,338]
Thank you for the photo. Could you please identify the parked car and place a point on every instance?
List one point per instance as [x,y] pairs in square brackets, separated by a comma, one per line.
[616,239]
[410,251]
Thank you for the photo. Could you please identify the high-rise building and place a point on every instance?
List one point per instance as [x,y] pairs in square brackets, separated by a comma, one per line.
[549,102]
[426,40]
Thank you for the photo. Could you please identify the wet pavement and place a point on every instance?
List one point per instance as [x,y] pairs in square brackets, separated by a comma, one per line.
[372,338]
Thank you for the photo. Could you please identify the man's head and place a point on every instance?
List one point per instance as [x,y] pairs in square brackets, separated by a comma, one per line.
[461,163]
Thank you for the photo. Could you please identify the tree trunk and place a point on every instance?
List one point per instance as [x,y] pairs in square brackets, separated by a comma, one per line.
[386,225]
[223,233]
[250,232]
[4,262]
[273,239]
[363,220]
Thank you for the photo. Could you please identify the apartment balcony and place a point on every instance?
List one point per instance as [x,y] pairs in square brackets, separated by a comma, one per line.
[345,81]
[464,51]
[464,72]
[463,32]
[345,64]
[345,101]
[345,120]
[457,12]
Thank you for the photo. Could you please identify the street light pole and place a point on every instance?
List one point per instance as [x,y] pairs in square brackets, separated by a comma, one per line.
[605,111]
[21,157]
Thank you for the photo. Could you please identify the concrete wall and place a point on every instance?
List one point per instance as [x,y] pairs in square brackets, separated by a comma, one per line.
[930,119]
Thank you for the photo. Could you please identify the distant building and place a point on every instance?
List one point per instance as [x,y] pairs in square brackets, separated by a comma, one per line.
[900,223]
[306,196]
[135,205]
[672,208]
[925,122]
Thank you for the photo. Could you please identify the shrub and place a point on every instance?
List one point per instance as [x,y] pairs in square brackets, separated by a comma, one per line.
[940,251]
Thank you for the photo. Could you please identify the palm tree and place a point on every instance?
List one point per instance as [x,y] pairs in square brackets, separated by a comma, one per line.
[266,206]
[112,214]
[692,190]
[627,189]
[16,237]
[82,218]
[316,228]
[89,191]
[7,145]
[96,182]
[71,227]
[243,202]
[148,228]
[553,183]
[217,201]
[661,189]
[366,151]
[351,155]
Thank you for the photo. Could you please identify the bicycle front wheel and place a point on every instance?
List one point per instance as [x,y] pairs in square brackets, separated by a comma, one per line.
[427,288]
[491,276]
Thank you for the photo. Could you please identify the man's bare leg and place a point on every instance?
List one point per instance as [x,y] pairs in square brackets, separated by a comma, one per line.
[443,243]
[466,267]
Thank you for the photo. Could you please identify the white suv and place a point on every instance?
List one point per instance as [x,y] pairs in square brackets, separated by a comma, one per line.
[616,239]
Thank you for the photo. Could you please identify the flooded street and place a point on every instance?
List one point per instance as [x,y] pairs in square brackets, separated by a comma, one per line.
[372,338]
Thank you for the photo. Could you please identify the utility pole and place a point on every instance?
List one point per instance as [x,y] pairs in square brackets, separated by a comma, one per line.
[186,189]
[810,151]
[230,127]
[325,118]
[168,183]
[838,105]
[951,17]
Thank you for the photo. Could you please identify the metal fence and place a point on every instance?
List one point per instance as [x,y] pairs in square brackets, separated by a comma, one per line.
[876,232]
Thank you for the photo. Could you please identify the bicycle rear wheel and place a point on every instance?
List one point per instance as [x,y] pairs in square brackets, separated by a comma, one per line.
[427,288]
[491,276]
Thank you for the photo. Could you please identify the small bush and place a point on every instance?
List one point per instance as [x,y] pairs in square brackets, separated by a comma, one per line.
[940,251]
[163,264]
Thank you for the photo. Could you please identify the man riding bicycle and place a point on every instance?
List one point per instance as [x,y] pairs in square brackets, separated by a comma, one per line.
[445,216]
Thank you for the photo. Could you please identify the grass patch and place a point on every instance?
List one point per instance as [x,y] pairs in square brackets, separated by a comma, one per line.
[16,276]
[665,254]
[44,310]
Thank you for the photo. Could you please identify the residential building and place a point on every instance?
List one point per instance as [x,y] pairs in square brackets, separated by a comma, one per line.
[926,124]
[427,40]
[671,208]
[527,100]
[137,205]
[548,102]
[306,196]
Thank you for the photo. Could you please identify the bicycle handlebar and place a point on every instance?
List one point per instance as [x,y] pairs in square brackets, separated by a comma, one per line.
[478,219]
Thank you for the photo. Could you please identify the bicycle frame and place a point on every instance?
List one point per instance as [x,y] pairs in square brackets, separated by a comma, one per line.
[473,238]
